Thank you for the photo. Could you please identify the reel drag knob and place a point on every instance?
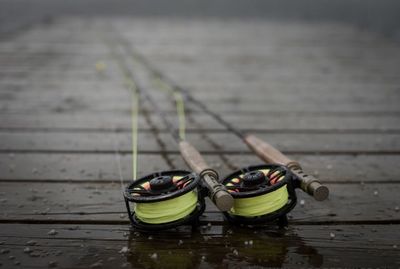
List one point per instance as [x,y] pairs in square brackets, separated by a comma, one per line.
[161,183]
[253,178]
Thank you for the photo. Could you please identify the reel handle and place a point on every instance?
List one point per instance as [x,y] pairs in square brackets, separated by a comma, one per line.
[269,154]
[217,192]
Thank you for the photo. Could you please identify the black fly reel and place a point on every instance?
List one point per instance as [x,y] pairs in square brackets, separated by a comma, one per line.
[262,193]
[165,200]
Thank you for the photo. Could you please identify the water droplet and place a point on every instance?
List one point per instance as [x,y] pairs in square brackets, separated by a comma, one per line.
[154,256]
[396,208]
[124,250]
[394,246]
[34,254]
[150,237]
[52,232]
[332,235]
[122,216]
[98,264]
[11,168]
[27,250]
[206,238]
[4,251]
[52,264]
[329,166]
[11,257]
[250,242]
[203,258]
[376,193]
[302,202]
[35,171]
[235,252]
[180,242]
[246,242]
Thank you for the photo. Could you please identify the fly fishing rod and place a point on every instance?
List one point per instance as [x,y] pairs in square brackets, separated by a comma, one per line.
[160,200]
[261,193]
[168,199]
[216,191]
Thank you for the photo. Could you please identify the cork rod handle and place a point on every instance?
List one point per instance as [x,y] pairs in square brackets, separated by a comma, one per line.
[192,157]
[217,192]
[269,154]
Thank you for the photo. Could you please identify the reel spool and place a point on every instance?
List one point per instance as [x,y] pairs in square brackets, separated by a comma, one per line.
[261,194]
[164,200]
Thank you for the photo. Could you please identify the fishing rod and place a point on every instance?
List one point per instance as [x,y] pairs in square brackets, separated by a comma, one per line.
[168,199]
[261,193]
[216,191]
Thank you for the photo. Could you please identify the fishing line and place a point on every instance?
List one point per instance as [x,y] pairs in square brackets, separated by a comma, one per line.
[118,161]
[164,199]
[216,191]
[280,201]
[180,106]
[134,122]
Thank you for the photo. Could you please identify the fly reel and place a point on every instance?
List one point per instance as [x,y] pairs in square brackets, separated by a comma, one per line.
[164,200]
[261,194]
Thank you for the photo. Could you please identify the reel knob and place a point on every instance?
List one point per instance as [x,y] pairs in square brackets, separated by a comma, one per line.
[253,178]
[161,183]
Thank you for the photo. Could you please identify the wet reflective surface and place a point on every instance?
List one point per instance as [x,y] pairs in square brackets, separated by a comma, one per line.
[222,247]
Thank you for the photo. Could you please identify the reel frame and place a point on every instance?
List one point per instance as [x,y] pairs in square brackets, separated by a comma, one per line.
[191,219]
[279,215]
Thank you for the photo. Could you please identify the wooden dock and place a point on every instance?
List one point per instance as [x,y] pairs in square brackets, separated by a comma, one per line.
[326,94]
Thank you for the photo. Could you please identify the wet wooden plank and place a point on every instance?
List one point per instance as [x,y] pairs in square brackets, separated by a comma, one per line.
[110,121]
[72,167]
[76,142]
[99,246]
[293,143]
[102,202]
[329,168]
[106,86]
[18,141]
[103,167]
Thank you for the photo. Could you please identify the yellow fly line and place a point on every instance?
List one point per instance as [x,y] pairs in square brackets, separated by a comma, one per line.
[168,210]
[260,205]
[134,121]
[180,106]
